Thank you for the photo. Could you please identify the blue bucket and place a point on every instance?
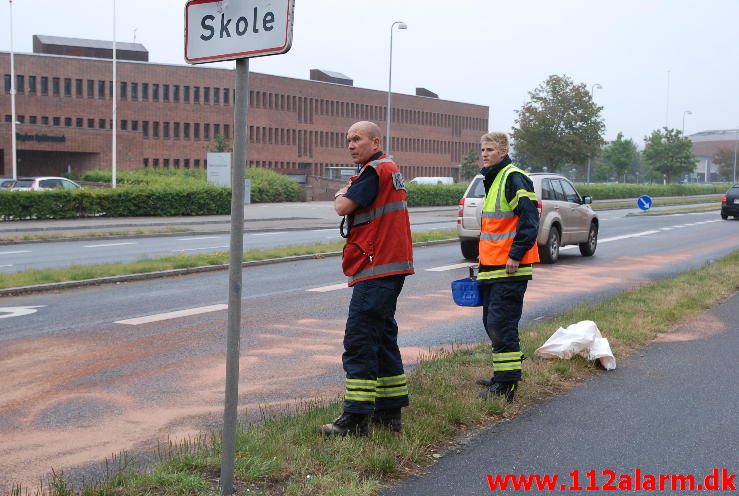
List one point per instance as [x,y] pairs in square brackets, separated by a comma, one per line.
[466,292]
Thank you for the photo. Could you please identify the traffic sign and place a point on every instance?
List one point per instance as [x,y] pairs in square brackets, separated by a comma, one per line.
[235,29]
[644,202]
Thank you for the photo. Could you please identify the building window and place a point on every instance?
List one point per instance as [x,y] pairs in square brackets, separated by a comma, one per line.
[101,89]
[226,131]
[101,123]
[90,88]
[206,131]
[146,163]
[134,91]
[187,163]
[110,88]
[80,122]
[20,119]
[176,92]
[134,125]
[44,85]
[226,93]
[67,122]
[155,129]
[32,119]
[67,86]
[145,91]
[155,92]
[78,88]
[91,123]
[124,90]
[196,94]
[176,130]
[166,163]
[186,95]
[44,120]
[186,130]
[196,131]
[206,95]
[156,163]
[176,163]
[216,96]
[56,121]
[145,128]
[56,86]
[124,125]
[7,79]
[32,84]
[197,163]
[20,84]
[216,130]
[165,130]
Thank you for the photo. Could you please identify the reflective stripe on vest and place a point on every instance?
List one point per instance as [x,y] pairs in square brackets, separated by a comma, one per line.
[498,228]
[385,209]
[387,269]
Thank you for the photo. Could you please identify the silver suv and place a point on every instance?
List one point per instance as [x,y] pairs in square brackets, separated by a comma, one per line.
[566,217]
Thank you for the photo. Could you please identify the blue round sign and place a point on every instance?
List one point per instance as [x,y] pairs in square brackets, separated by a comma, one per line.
[644,202]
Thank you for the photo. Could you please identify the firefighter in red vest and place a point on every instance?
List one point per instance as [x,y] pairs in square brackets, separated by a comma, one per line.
[377,256]
[509,226]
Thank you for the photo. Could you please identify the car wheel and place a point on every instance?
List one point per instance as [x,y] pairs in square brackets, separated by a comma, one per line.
[470,248]
[724,216]
[549,253]
[587,249]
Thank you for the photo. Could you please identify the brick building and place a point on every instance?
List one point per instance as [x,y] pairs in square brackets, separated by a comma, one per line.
[168,115]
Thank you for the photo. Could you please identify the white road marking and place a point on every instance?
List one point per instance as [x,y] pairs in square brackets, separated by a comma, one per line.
[666,228]
[269,233]
[108,244]
[451,267]
[8,265]
[172,315]
[323,230]
[14,252]
[18,311]
[198,238]
[326,289]
[203,248]
[626,236]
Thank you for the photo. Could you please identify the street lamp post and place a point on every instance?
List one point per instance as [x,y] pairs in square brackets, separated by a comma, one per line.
[14,152]
[401,25]
[685,112]
[736,134]
[115,107]
[592,89]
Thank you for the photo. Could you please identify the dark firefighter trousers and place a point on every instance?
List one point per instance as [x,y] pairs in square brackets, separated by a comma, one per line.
[502,305]
[374,368]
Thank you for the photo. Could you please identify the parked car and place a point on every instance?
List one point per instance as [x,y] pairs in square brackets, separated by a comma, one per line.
[730,203]
[565,217]
[6,182]
[44,183]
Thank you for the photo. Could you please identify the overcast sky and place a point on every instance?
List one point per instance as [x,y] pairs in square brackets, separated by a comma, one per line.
[478,51]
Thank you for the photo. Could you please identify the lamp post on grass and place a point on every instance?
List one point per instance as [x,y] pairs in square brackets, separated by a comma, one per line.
[14,156]
[401,25]
[592,89]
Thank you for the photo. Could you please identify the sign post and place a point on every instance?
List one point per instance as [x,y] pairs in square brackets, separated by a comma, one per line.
[217,30]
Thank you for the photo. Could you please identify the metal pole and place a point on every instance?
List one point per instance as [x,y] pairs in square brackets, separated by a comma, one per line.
[115,107]
[685,112]
[388,145]
[667,106]
[736,134]
[14,152]
[241,113]
[592,90]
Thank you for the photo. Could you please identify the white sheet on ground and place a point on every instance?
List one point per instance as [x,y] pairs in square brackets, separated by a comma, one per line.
[582,339]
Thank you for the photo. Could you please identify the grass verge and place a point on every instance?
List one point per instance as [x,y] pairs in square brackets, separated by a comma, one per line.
[33,237]
[283,456]
[82,272]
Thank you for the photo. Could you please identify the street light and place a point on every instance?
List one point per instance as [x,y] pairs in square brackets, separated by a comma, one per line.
[14,156]
[115,108]
[736,134]
[401,25]
[592,89]
[685,112]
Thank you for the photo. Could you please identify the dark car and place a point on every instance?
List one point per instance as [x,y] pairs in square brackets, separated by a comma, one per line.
[730,203]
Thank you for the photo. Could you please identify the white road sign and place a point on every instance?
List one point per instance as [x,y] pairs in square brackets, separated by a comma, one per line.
[234,29]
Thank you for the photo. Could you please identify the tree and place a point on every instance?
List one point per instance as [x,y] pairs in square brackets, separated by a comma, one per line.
[668,152]
[620,155]
[560,124]
[220,144]
[725,161]
[470,165]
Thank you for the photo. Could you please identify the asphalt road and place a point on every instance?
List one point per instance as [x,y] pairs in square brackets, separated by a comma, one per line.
[91,371]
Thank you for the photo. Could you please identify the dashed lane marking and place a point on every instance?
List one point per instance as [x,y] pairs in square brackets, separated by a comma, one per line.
[202,248]
[108,244]
[14,252]
[268,233]
[326,289]
[198,238]
[172,315]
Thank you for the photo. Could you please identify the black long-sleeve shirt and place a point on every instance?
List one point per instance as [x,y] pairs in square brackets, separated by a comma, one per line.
[526,210]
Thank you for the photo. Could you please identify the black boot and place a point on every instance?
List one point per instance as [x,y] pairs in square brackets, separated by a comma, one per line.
[352,424]
[390,418]
[506,389]
[484,382]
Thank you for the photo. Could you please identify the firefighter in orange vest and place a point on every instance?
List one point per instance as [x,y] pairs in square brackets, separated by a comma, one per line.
[509,226]
[377,256]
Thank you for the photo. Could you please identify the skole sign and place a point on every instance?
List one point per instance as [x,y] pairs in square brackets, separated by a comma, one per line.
[233,29]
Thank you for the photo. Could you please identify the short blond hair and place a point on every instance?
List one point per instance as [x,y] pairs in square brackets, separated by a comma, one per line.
[499,140]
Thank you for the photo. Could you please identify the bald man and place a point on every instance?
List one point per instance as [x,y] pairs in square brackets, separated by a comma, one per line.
[377,257]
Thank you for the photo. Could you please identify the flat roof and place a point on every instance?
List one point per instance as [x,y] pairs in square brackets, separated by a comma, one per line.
[81,42]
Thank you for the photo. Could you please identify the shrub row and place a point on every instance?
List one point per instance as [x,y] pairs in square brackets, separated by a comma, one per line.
[619,191]
[121,202]
[433,195]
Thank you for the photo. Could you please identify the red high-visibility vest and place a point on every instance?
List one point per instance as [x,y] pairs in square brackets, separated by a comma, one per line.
[379,242]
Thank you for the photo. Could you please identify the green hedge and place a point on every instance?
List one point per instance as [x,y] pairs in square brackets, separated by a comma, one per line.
[434,195]
[620,191]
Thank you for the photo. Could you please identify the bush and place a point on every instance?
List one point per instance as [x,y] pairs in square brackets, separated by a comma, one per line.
[619,191]
[434,195]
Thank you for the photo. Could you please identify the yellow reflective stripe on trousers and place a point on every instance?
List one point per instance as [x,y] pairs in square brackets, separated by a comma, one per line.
[501,273]
[390,392]
[359,396]
[507,361]
[360,390]
[390,381]
[365,383]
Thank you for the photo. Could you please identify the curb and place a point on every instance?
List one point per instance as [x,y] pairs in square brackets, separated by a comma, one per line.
[53,286]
